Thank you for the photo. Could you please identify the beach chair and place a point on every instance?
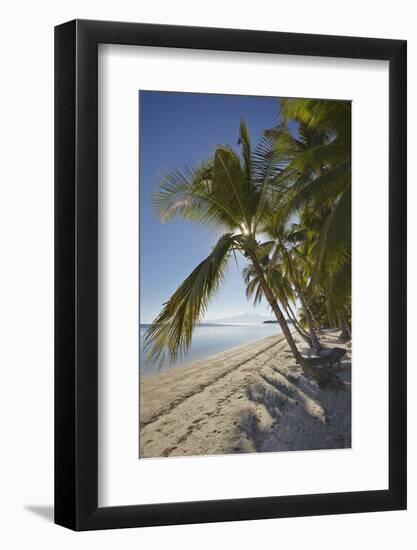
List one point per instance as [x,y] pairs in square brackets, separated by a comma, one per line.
[328,358]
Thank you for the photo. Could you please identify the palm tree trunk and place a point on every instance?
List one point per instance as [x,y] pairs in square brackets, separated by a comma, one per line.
[322,376]
[293,317]
[297,327]
[276,309]
[310,312]
[291,311]
[307,312]
[345,334]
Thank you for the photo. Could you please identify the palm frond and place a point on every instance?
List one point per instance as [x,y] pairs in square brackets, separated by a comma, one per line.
[244,142]
[332,250]
[230,185]
[189,193]
[322,189]
[272,155]
[320,156]
[323,114]
[170,335]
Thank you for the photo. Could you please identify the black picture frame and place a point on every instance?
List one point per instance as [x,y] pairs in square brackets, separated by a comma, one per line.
[76,272]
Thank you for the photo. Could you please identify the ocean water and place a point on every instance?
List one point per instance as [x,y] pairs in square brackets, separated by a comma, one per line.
[209,339]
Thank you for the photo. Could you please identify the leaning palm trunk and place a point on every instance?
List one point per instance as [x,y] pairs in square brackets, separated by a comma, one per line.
[310,323]
[322,376]
[293,317]
[229,191]
[314,321]
[345,331]
[297,326]
[275,308]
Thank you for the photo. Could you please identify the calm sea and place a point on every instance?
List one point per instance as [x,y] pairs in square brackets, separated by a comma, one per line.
[211,339]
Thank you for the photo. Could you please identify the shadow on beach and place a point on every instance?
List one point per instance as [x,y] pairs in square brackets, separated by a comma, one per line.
[255,399]
[287,413]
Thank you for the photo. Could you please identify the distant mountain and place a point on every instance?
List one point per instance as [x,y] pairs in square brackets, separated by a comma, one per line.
[243,318]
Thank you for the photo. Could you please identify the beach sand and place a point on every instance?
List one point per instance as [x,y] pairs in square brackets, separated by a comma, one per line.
[253,398]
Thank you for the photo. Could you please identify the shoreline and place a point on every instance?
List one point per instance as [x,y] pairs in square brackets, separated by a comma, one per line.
[220,355]
[250,398]
[190,378]
[195,355]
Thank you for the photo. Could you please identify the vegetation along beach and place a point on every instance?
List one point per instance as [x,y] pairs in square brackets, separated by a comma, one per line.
[276,214]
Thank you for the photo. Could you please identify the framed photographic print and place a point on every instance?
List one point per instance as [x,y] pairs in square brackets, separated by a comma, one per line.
[230,247]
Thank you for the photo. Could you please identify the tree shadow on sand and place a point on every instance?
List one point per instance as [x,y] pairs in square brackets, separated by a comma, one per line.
[286,412]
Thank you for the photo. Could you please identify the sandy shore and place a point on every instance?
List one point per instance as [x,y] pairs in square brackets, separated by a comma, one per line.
[247,399]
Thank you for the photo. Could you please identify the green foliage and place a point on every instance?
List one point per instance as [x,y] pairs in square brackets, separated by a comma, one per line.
[229,192]
[170,334]
[296,191]
[316,185]
[318,306]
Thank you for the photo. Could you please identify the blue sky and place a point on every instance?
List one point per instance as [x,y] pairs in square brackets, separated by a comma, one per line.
[178,129]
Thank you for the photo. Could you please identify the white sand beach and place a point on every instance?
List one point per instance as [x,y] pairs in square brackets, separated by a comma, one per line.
[253,398]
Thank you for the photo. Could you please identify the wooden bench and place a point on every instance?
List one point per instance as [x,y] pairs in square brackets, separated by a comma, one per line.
[326,360]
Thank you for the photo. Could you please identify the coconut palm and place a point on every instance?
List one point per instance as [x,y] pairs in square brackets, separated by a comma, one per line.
[332,280]
[288,259]
[281,288]
[230,192]
[316,184]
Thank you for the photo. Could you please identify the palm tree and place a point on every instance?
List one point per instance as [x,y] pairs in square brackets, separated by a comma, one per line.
[230,192]
[316,184]
[288,257]
[331,280]
[281,288]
